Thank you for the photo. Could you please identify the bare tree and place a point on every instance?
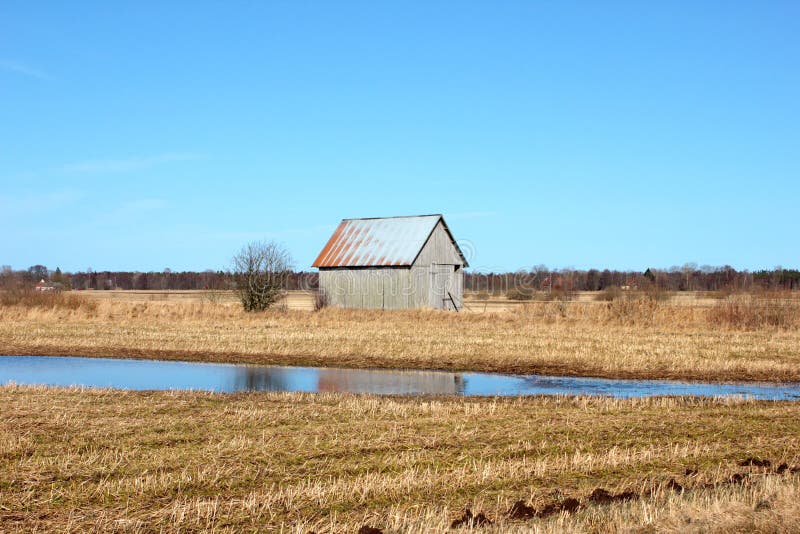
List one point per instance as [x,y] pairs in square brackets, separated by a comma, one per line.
[260,270]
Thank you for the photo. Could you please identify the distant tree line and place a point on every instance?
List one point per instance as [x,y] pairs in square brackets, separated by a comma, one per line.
[688,277]
[151,280]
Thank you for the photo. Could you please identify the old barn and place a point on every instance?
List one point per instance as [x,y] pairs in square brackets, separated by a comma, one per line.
[392,263]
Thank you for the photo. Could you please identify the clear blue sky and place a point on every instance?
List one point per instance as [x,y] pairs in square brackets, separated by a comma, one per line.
[139,136]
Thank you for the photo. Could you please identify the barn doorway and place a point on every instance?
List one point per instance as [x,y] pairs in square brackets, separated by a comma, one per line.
[442,286]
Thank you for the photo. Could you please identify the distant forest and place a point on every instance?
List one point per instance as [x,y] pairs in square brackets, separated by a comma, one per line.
[686,278]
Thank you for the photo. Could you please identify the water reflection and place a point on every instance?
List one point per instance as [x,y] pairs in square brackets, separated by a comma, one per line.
[252,378]
[163,375]
[261,379]
[395,382]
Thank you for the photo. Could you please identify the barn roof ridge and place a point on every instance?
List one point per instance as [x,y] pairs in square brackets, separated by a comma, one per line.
[393,217]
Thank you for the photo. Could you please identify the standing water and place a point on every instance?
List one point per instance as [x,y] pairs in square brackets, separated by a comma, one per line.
[167,375]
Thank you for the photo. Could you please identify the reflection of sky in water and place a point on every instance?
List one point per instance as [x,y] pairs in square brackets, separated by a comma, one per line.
[152,374]
[494,384]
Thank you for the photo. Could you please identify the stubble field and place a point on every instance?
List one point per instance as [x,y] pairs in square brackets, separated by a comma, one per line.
[109,460]
[104,460]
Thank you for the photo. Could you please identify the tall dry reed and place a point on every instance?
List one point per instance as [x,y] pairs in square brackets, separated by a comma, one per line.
[756,311]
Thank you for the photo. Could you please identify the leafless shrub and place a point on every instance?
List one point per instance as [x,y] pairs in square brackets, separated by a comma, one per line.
[259,272]
[633,310]
[650,292]
[213,296]
[320,300]
[653,292]
[559,293]
[519,294]
[609,294]
[525,293]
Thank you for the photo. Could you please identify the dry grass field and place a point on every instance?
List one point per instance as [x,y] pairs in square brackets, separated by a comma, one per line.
[304,300]
[105,460]
[120,461]
[740,338]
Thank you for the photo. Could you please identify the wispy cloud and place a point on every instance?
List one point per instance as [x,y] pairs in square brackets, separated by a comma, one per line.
[22,68]
[100,166]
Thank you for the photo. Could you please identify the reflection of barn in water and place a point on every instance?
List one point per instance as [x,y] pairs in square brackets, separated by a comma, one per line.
[390,381]
[387,381]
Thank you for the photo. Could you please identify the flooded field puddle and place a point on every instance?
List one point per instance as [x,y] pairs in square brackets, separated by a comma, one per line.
[168,375]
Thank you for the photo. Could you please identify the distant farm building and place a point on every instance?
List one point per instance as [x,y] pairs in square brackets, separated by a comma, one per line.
[44,286]
[392,263]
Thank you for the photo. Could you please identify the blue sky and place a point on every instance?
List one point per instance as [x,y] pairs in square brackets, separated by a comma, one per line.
[139,136]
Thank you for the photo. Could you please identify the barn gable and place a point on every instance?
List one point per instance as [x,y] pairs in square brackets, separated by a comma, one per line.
[440,247]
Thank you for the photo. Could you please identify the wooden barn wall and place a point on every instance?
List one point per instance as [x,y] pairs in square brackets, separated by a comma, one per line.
[424,295]
[438,253]
[377,289]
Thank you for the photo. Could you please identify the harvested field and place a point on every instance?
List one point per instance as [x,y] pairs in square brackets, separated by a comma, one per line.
[126,461]
[737,339]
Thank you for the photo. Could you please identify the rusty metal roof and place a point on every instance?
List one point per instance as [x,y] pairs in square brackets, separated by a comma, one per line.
[380,242]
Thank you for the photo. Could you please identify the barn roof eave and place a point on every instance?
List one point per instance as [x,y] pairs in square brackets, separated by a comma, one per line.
[363,267]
